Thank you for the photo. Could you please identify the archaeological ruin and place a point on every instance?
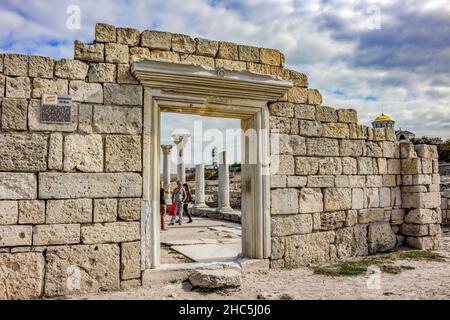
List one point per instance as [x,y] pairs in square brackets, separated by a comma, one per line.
[79,197]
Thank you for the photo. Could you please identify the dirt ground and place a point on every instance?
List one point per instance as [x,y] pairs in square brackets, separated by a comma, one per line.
[428,280]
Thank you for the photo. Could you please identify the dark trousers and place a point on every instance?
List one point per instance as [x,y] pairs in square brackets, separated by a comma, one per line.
[186,211]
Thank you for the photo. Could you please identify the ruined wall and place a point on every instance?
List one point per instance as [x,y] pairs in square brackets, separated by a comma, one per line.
[445,207]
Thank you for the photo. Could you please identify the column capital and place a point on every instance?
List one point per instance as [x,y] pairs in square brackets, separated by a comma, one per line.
[166,148]
[180,140]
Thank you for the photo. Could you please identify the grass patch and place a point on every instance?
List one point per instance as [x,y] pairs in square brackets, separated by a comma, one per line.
[383,261]
[286,296]
[176,254]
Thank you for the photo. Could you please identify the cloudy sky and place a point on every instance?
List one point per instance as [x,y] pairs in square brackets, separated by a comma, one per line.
[390,55]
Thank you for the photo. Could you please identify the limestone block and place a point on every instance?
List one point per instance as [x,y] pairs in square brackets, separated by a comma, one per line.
[105,33]
[102,72]
[23,152]
[379,134]
[124,74]
[55,153]
[89,52]
[351,218]
[296,181]
[228,50]
[393,166]
[370,215]
[349,166]
[305,111]
[414,230]
[165,55]
[397,216]
[390,149]
[351,242]
[116,53]
[2,85]
[390,180]
[89,185]
[314,97]
[85,118]
[123,94]
[284,201]
[198,60]
[156,40]
[9,212]
[278,247]
[14,114]
[129,209]
[130,284]
[365,166]
[110,232]
[421,200]
[21,275]
[248,53]
[291,225]
[128,36]
[44,235]
[336,130]
[358,199]
[111,119]
[279,124]
[71,69]
[270,56]
[297,95]
[434,229]
[347,116]
[123,153]
[426,151]
[381,237]
[407,150]
[382,165]
[216,278]
[332,220]
[306,166]
[436,179]
[310,128]
[19,87]
[130,260]
[230,64]
[310,200]
[336,199]
[1,62]
[322,147]
[86,92]
[282,164]
[427,166]
[349,148]
[423,243]
[330,166]
[205,47]
[385,197]
[105,210]
[294,127]
[13,236]
[373,181]
[357,181]
[342,181]
[183,43]
[422,216]
[282,109]
[372,197]
[40,67]
[138,54]
[83,153]
[31,212]
[48,86]
[97,265]
[320,181]
[69,211]
[298,79]
[15,65]
[358,131]
[326,114]
[278,181]
[309,248]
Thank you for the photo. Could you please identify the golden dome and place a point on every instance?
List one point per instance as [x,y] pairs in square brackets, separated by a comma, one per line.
[383,117]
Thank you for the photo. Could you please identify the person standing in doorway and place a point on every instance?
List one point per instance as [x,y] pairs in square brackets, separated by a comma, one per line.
[162,204]
[186,203]
[179,196]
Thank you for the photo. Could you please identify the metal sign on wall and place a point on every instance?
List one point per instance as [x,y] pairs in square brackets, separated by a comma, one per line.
[56,109]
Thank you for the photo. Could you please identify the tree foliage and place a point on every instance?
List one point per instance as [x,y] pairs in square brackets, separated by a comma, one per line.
[443,146]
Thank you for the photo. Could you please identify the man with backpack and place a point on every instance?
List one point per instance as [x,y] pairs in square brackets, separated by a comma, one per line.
[179,196]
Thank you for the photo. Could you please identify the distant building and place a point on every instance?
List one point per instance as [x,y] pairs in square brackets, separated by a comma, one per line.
[383,121]
[404,135]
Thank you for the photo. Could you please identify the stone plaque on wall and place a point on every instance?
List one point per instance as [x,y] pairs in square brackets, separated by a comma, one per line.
[56,109]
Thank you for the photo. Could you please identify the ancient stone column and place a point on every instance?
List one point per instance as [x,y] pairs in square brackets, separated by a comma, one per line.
[224,184]
[180,140]
[166,149]
[200,186]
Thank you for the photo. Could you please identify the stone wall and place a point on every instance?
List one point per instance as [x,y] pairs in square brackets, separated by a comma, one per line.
[445,207]
[70,193]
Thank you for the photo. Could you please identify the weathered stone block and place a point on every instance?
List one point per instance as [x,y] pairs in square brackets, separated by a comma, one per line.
[415,230]
[123,153]
[332,220]
[322,147]
[23,152]
[116,53]
[183,43]
[278,247]
[298,79]
[89,52]
[284,201]
[129,209]
[310,200]
[421,200]
[385,197]
[124,74]
[351,148]
[14,114]
[123,94]
[19,87]
[280,124]
[297,95]
[205,47]
[407,150]
[305,111]
[97,265]
[349,166]
[228,50]
[31,212]
[164,55]
[292,225]
[83,153]
[9,212]
[365,166]
[130,264]
[326,114]
[423,243]
[230,64]
[138,54]
[358,199]
[379,134]
[330,166]
[111,119]
[278,181]
[427,166]
[335,130]
[309,248]
[320,181]
[89,185]
[128,36]
[44,235]
[270,56]
[156,40]
[358,131]
[102,72]
[336,199]
[105,33]
[422,216]
[21,275]
[310,128]
[282,164]
[48,86]
[69,211]
[381,237]
[374,181]
[71,69]
[248,53]
[347,116]
[314,97]
[296,181]
[13,236]
[282,109]
[55,153]
[351,218]
[370,215]
[372,197]
[351,242]
[40,67]
[105,210]
[110,232]
[198,60]
[85,118]
[15,65]
[426,151]
[86,92]
[306,166]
